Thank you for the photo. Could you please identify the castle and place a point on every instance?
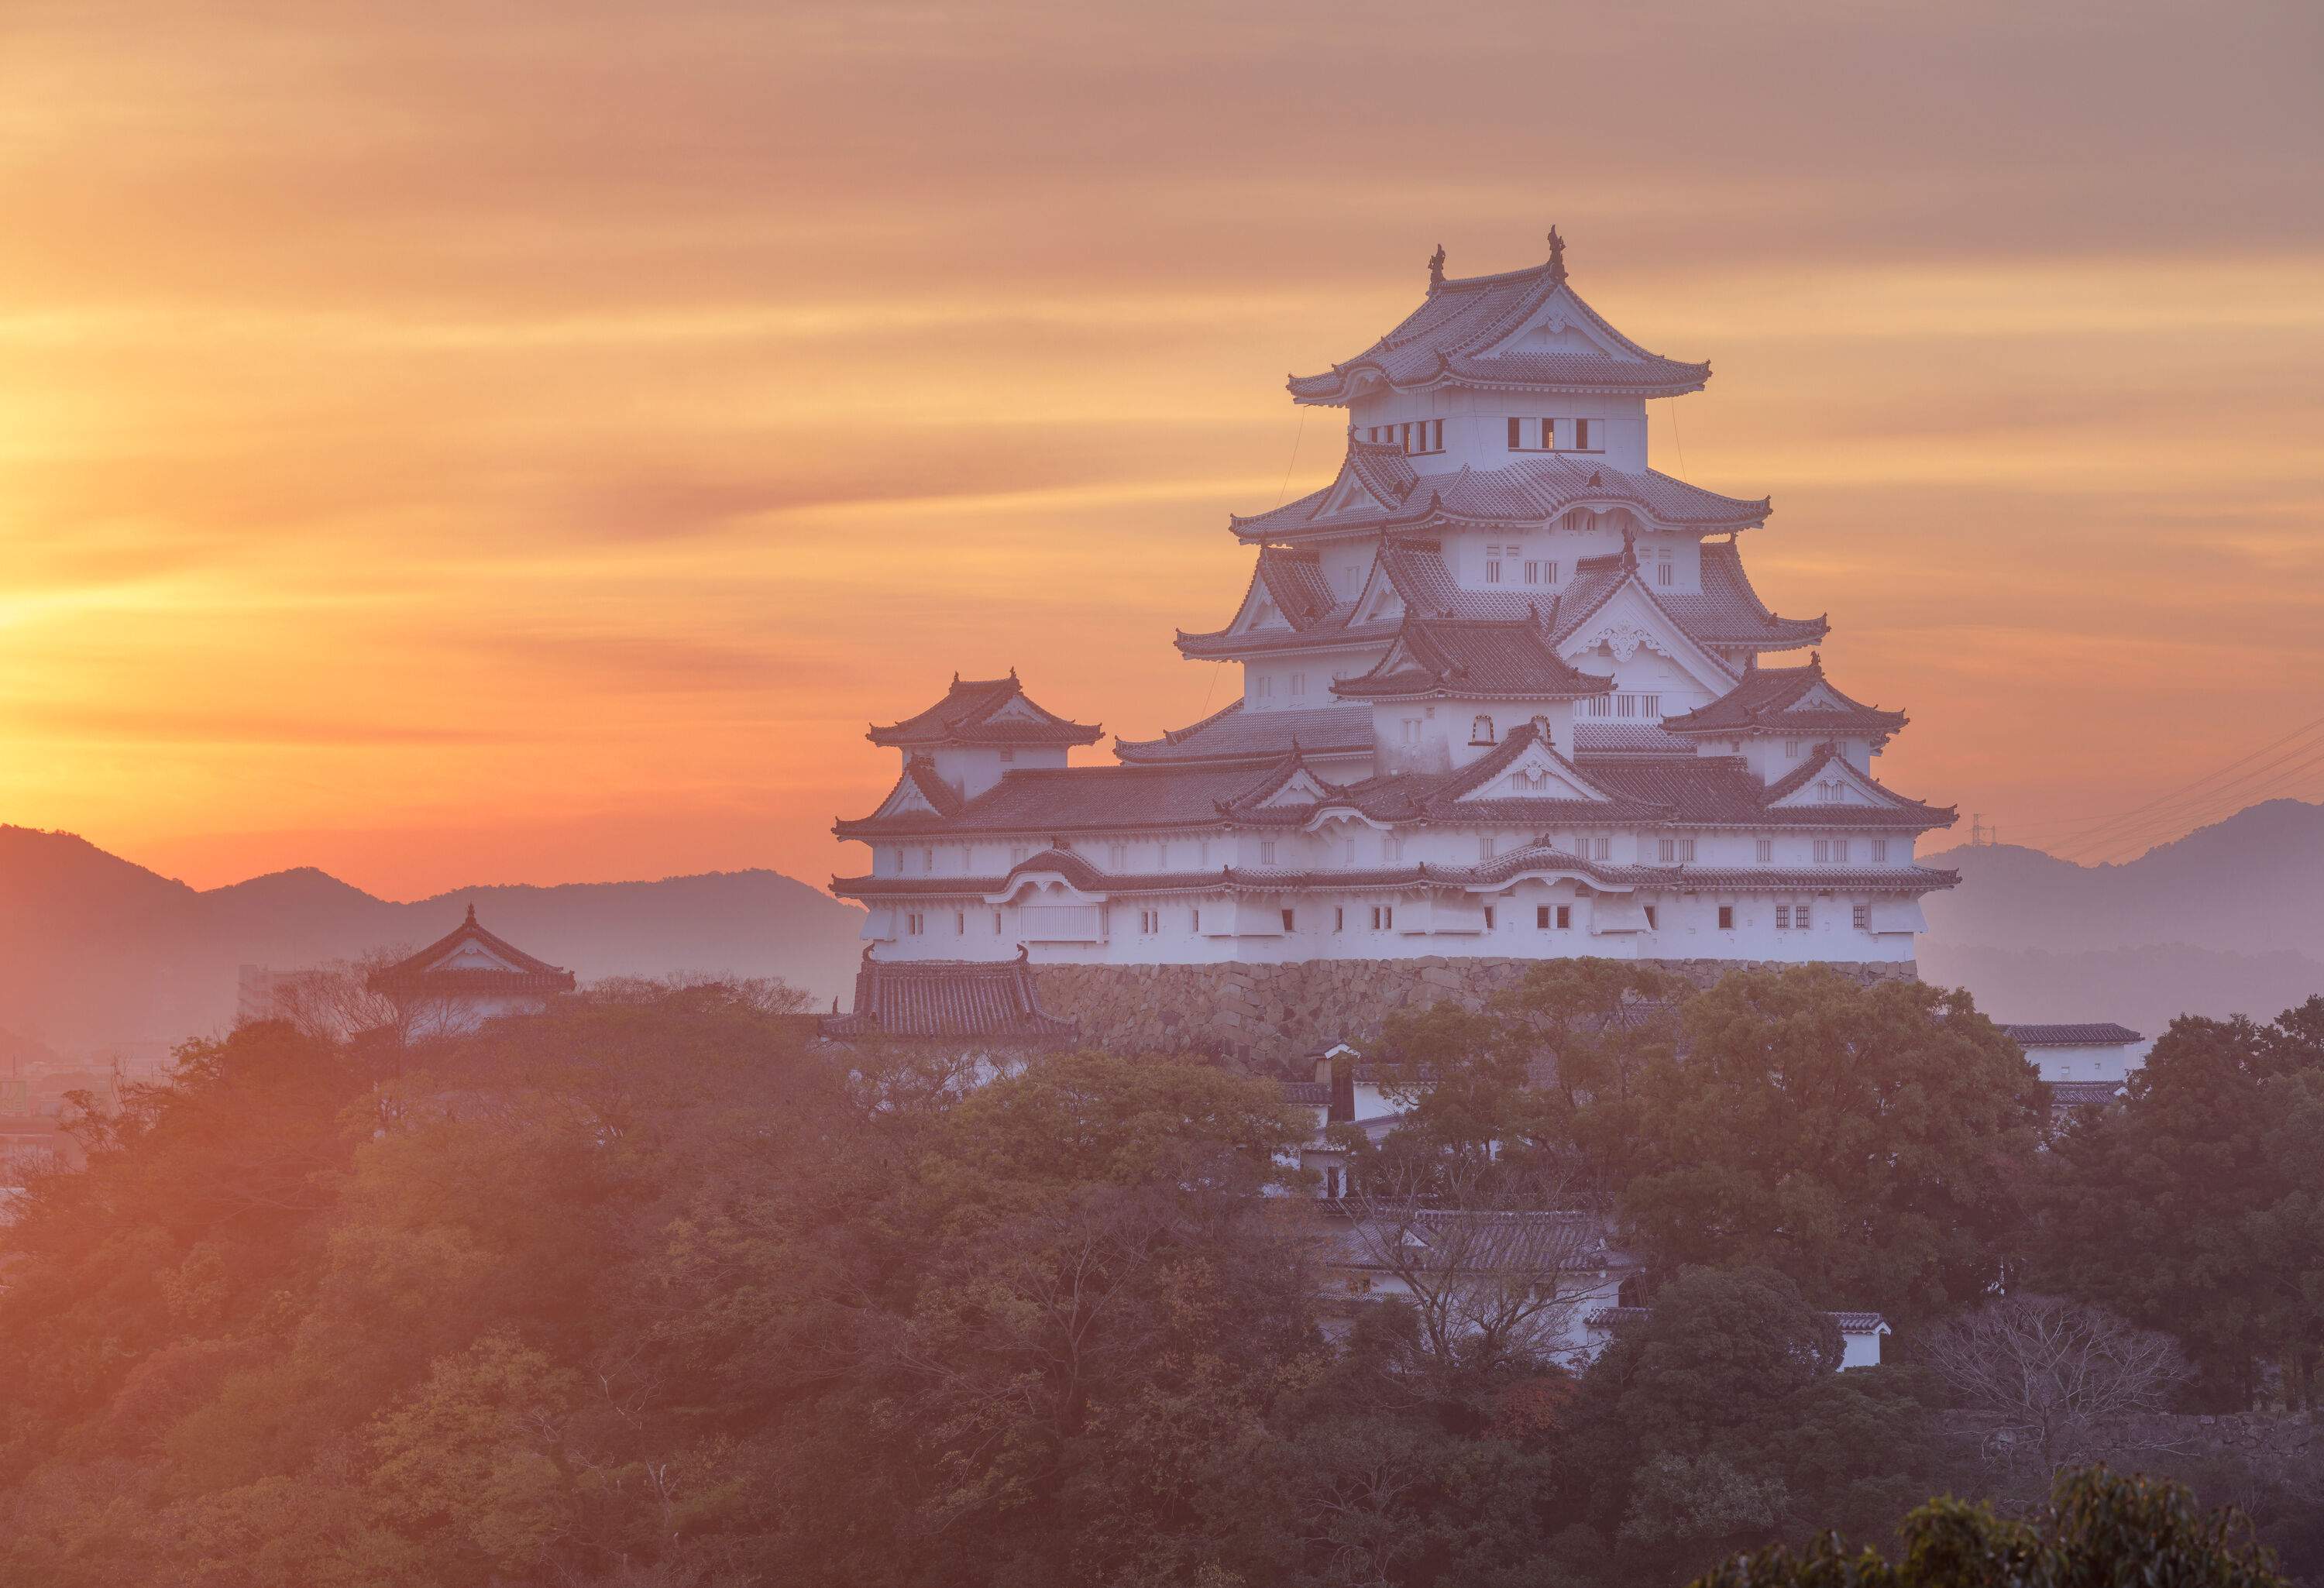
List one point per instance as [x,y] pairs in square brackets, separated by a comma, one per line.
[1506,694]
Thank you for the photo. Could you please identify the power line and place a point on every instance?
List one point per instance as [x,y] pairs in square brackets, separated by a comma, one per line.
[2089,827]
[2194,796]
[2235,795]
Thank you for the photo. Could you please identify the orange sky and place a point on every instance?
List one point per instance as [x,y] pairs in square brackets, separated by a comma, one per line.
[449,443]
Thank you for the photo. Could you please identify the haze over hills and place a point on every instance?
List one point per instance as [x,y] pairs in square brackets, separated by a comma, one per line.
[98,955]
[2227,920]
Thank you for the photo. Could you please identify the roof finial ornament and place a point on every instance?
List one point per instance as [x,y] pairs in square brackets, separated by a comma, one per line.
[1556,255]
[1436,268]
[472,912]
[1815,661]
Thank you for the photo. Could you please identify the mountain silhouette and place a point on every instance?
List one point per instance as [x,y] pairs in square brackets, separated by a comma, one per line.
[2228,919]
[100,955]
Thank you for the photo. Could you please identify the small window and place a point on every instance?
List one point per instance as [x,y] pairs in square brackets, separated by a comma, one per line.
[959,923]
[1665,574]
[1766,851]
[928,860]
[1266,852]
[1339,917]
[1792,748]
[1726,918]
[1861,915]
[1669,850]
[1541,917]
[1839,851]
[914,921]
[1824,850]
[1565,915]
[1650,706]
[1198,920]
[1390,915]
[1687,849]
[1347,852]
[1880,849]
[1800,917]
[1287,920]
[1299,683]
[1493,565]
[1650,917]
[1548,434]
[1376,918]
[1480,732]
[1605,846]
[996,923]
[1517,428]
[1533,571]
[1411,726]
[1265,685]
[1783,917]
[1488,918]
[1585,434]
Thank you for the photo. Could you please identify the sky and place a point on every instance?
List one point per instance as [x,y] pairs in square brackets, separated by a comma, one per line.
[453,443]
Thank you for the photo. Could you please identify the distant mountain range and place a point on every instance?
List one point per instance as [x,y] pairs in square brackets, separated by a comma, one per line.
[100,955]
[2228,919]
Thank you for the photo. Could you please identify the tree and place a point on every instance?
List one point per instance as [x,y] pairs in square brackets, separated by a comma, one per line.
[2189,1205]
[1875,1143]
[2097,1528]
[2049,1381]
[1522,1078]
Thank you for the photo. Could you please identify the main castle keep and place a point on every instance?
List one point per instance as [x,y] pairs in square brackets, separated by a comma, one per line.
[1508,694]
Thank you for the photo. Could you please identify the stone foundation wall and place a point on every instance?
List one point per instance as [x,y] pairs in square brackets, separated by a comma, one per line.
[1281,1011]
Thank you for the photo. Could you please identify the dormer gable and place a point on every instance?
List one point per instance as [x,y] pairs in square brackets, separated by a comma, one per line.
[1827,779]
[1526,766]
[1822,698]
[1628,617]
[1561,323]
[920,791]
[1290,782]
[1536,773]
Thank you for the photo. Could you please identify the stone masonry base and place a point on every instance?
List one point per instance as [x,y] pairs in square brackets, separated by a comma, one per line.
[1278,1013]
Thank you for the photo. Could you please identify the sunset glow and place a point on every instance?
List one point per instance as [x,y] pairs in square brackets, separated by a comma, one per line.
[455,445]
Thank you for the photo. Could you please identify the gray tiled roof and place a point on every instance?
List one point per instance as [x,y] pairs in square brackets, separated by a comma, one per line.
[1240,734]
[1462,317]
[1767,702]
[967,715]
[2086,1034]
[1528,490]
[1703,790]
[1472,659]
[2081,1093]
[527,975]
[992,1001]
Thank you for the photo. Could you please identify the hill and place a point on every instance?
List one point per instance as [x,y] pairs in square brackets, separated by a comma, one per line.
[2227,920]
[98,955]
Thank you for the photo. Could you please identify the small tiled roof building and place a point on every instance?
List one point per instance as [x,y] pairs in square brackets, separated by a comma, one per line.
[467,977]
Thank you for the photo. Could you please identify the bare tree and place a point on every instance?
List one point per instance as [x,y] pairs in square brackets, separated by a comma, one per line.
[335,1001]
[2050,1381]
[1495,1275]
[758,994]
